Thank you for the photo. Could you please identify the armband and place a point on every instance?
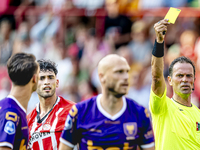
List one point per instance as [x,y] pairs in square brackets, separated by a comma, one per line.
[158,49]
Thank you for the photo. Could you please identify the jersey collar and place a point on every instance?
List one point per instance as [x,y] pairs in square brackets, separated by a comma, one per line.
[181,105]
[38,104]
[13,98]
[117,115]
[40,120]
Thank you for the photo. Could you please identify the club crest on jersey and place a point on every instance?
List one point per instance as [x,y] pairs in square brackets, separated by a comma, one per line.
[46,127]
[9,127]
[130,129]
[198,126]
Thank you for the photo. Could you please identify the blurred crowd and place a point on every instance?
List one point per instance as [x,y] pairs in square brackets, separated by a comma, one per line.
[76,45]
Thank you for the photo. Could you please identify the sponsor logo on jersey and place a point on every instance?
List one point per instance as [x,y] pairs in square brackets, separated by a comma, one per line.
[130,129]
[112,122]
[9,127]
[95,130]
[36,135]
[23,128]
[149,134]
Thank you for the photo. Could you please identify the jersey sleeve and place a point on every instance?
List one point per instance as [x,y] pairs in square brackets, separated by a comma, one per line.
[69,134]
[9,121]
[158,105]
[146,135]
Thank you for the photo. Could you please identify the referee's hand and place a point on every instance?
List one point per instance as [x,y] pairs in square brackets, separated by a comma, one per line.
[160,29]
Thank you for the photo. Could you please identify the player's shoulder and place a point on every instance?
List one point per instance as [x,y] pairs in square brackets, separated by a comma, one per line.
[10,111]
[11,114]
[88,102]
[65,104]
[195,108]
[85,105]
[7,104]
[10,118]
[65,101]
[140,112]
[134,105]
[32,114]
[84,108]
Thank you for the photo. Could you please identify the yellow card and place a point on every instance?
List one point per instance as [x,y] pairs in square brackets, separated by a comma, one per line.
[172,14]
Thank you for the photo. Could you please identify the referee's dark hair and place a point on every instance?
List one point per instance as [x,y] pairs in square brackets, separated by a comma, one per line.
[181,59]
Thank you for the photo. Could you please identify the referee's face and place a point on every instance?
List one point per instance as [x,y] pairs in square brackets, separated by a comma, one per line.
[182,79]
[47,84]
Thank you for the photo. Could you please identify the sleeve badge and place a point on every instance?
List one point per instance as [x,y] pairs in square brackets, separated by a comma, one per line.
[9,127]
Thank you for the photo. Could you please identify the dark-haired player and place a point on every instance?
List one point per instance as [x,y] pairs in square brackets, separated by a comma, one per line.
[47,120]
[23,72]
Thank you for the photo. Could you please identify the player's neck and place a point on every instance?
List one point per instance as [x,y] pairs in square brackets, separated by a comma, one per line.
[183,101]
[111,104]
[22,94]
[46,104]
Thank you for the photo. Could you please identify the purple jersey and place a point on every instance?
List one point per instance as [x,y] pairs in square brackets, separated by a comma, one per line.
[89,125]
[13,124]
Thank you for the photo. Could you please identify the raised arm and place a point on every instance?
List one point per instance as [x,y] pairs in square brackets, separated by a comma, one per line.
[157,64]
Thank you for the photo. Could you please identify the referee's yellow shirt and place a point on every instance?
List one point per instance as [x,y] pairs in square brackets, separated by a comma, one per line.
[176,127]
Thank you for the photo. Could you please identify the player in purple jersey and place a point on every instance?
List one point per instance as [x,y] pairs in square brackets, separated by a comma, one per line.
[23,71]
[109,121]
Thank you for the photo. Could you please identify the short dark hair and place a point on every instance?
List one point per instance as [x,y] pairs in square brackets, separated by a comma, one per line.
[47,65]
[181,59]
[21,68]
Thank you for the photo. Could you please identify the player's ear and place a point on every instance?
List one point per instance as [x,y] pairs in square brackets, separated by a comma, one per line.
[169,80]
[102,77]
[57,83]
[35,78]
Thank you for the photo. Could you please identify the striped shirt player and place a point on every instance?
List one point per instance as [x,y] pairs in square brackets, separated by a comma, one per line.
[89,125]
[44,133]
[13,124]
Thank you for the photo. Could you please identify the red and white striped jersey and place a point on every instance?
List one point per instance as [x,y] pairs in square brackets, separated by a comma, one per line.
[45,135]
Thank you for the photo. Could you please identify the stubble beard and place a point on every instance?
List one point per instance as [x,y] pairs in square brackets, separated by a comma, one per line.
[183,94]
[46,95]
[116,93]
